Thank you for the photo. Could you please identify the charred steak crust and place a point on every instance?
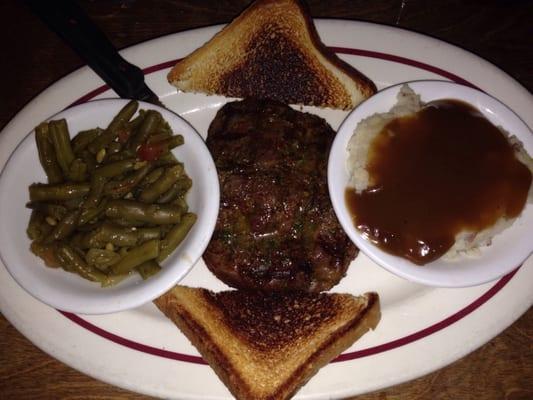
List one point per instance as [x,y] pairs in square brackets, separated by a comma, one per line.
[276,228]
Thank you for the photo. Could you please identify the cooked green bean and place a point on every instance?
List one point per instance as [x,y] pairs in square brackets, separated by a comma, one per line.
[47,155]
[72,262]
[136,256]
[77,171]
[112,131]
[74,203]
[179,188]
[168,142]
[64,227]
[116,168]
[95,194]
[38,228]
[47,252]
[120,188]
[128,223]
[110,207]
[152,177]
[176,236]
[161,185]
[57,192]
[181,204]
[148,269]
[101,259]
[89,160]
[89,214]
[56,211]
[137,211]
[165,160]
[61,142]
[83,139]
[151,121]
[124,154]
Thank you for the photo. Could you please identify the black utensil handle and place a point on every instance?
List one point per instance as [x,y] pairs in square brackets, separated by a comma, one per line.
[70,22]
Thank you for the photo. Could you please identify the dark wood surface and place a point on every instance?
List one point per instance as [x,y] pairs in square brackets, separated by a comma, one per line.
[33,58]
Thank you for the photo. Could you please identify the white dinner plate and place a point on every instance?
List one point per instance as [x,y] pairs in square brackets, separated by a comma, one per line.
[422,328]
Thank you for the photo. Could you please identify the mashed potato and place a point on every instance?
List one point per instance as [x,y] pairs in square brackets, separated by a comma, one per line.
[408,102]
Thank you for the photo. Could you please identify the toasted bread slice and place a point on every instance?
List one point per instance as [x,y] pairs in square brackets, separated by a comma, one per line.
[272,50]
[266,346]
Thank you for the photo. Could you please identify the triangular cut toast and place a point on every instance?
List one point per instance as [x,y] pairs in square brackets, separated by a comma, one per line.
[272,50]
[266,346]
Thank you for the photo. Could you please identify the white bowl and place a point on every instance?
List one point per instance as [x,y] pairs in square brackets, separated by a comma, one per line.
[67,291]
[508,249]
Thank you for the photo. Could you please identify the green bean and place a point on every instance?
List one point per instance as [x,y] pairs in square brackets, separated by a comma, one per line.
[95,194]
[104,212]
[38,228]
[165,160]
[65,227]
[76,240]
[176,236]
[112,131]
[120,188]
[92,213]
[89,160]
[167,142]
[57,192]
[47,155]
[181,204]
[53,210]
[47,252]
[116,168]
[137,211]
[134,124]
[136,256]
[74,203]
[151,121]
[121,155]
[148,269]
[83,139]
[152,177]
[61,142]
[144,234]
[119,236]
[128,223]
[77,171]
[161,185]
[71,261]
[113,148]
[110,233]
[179,188]
[101,258]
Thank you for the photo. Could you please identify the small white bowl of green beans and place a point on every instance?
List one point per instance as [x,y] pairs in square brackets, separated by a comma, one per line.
[106,205]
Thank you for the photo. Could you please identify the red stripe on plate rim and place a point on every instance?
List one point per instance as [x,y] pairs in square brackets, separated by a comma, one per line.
[343,357]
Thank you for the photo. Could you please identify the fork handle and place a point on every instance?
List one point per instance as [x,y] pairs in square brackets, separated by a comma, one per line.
[69,21]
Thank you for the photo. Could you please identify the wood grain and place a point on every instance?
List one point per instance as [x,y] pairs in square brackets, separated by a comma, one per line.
[34,58]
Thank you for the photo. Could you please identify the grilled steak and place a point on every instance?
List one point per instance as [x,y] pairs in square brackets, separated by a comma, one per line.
[276,228]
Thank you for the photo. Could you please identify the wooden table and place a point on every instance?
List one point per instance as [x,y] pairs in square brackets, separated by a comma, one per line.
[33,58]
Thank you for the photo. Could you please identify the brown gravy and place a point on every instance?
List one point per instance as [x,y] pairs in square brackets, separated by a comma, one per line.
[441,171]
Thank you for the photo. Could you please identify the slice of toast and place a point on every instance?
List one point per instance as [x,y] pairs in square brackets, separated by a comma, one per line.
[266,346]
[272,50]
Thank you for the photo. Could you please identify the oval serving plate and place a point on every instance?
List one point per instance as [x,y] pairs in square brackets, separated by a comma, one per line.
[142,351]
